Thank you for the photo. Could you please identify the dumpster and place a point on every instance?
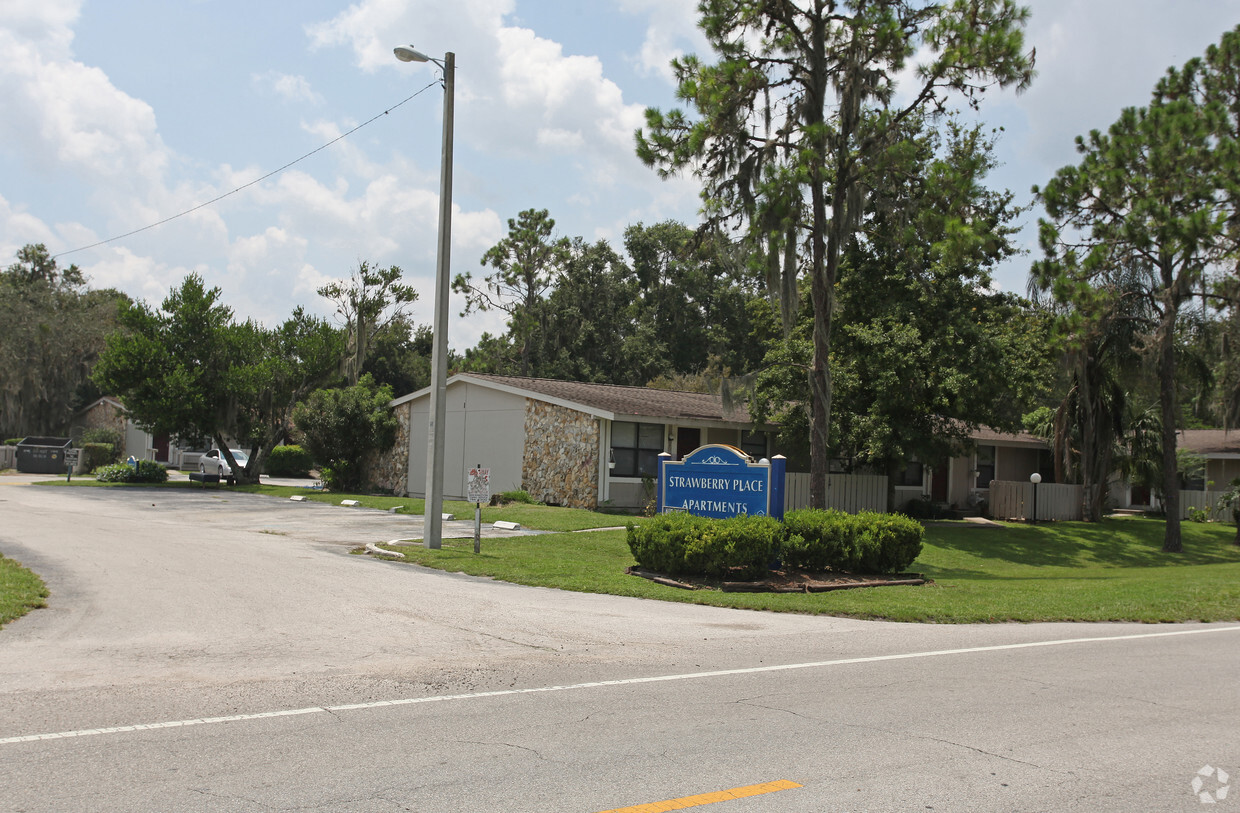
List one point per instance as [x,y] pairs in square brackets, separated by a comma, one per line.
[42,455]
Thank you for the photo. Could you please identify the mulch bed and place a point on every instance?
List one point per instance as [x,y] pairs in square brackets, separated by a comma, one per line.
[786,581]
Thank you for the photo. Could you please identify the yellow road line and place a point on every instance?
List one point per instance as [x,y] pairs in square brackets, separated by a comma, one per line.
[708,798]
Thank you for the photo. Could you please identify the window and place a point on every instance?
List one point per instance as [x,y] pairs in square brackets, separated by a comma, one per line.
[753,444]
[635,448]
[985,466]
[911,475]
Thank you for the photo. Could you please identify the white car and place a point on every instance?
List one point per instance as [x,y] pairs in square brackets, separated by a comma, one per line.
[213,462]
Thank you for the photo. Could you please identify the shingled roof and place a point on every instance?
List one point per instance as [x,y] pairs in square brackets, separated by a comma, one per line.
[1210,441]
[615,401]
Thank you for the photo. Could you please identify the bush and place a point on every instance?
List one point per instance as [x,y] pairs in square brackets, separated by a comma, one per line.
[517,496]
[114,439]
[743,548]
[97,454]
[857,543]
[681,544]
[341,426]
[148,471]
[289,461]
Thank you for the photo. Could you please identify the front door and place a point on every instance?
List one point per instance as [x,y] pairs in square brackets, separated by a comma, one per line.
[938,484]
[687,439]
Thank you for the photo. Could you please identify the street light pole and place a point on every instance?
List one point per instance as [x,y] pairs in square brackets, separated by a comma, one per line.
[437,424]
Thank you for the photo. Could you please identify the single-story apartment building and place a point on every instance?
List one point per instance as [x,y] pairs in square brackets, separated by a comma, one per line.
[963,481]
[109,413]
[564,442]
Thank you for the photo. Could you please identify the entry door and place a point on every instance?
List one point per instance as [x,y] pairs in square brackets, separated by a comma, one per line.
[938,484]
[687,439]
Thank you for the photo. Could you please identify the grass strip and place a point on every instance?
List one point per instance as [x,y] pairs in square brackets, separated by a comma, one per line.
[1109,571]
[20,591]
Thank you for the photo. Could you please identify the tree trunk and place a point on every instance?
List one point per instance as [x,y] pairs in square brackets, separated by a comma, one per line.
[1172,541]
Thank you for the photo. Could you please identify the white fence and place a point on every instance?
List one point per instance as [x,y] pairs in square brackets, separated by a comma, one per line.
[846,492]
[8,457]
[1014,500]
[1203,499]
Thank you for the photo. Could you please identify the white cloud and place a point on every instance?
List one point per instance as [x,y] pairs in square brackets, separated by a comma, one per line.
[291,88]
[60,112]
[672,31]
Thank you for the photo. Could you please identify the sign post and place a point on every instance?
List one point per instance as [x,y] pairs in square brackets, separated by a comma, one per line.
[71,461]
[479,492]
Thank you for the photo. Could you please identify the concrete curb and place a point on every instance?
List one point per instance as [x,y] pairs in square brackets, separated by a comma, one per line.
[371,547]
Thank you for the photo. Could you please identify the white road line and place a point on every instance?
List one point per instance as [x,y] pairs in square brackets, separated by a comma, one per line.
[752,670]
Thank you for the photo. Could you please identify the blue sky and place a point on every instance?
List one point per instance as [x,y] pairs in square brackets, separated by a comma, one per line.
[118,114]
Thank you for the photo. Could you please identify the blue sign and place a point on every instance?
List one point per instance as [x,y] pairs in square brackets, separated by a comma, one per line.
[721,481]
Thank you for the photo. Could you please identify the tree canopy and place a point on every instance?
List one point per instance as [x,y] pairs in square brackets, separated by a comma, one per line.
[1157,192]
[52,328]
[800,118]
[188,369]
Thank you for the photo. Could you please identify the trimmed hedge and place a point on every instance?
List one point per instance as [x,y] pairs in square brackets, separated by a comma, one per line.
[865,542]
[743,548]
[289,461]
[97,454]
[148,471]
[682,544]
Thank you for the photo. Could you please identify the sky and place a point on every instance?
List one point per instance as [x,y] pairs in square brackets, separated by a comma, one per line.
[116,115]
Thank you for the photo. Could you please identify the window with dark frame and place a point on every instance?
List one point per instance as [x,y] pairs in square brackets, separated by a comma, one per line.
[985,466]
[913,474]
[753,444]
[635,448]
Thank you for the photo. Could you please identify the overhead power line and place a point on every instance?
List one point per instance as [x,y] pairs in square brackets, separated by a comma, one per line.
[219,198]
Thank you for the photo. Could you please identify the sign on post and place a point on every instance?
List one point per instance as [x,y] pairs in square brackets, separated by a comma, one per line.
[721,481]
[479,488]
[478,491]
[71,461]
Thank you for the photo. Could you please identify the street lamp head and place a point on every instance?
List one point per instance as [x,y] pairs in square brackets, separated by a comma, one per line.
[407,53]
[1035,478]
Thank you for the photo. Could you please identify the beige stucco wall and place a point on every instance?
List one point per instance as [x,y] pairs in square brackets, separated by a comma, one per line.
[1222,472]
[483,426]
[561,461]
[1015,463]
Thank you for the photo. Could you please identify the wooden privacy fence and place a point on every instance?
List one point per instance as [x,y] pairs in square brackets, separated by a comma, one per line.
[1203,499]
[846,492]
[1011,499]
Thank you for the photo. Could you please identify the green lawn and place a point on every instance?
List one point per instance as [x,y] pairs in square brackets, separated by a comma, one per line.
[20,591]
[1113,571]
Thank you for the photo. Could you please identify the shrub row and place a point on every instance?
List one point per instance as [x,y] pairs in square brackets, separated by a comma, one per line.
[289,461]
[148,471]
[743,548]
[864,542]
[682,544]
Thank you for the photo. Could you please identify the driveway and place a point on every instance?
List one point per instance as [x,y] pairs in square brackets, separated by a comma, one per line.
[206,650]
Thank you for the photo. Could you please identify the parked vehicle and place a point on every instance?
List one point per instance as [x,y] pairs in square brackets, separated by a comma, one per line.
[213,462]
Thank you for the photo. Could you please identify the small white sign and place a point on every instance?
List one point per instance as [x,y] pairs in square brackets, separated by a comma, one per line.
[479,485]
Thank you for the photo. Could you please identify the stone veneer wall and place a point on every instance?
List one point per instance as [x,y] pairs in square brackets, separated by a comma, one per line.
[389,471]
[561,455]
[104,416]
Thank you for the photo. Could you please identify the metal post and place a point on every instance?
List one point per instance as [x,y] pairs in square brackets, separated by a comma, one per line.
[433,528]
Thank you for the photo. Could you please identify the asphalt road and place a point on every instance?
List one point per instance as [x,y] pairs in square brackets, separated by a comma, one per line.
[210,651]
